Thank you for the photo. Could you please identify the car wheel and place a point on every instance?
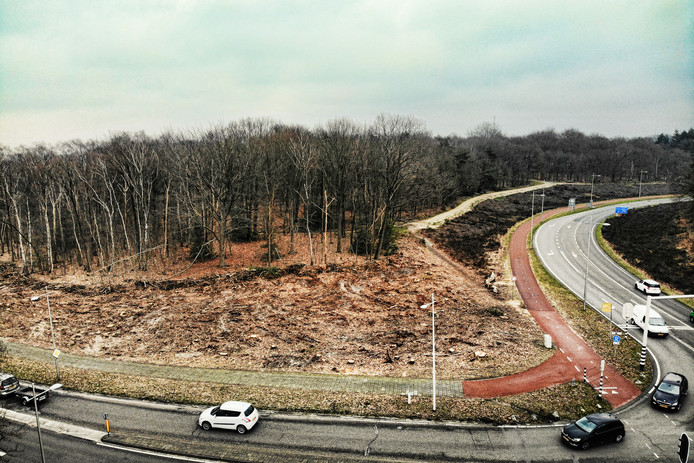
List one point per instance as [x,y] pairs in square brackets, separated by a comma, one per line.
[585,445]
[691,318]
[206,426]
[636,286]
[25,401]
[241,429]
[631,321]
[619,438]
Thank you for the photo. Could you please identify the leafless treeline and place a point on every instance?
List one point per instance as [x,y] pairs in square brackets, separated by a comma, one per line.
[103,203]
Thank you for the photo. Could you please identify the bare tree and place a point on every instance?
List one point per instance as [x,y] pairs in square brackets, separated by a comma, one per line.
[339,142]
[301,148]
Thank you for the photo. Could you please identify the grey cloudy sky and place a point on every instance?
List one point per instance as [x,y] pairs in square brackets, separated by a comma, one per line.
[87,68]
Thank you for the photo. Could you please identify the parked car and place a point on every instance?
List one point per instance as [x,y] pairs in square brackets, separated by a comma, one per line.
[691,316]
[670,392]
[590,430]
[8,384]
[656,324]
[651,287]
[240,416]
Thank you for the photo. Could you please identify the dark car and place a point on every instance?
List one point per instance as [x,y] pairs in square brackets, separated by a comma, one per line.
[598,428]
[670,392]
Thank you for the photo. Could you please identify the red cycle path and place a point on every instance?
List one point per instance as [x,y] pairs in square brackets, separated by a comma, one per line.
[573,354]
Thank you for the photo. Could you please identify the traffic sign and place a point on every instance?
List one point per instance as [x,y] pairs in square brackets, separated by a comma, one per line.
[616,338]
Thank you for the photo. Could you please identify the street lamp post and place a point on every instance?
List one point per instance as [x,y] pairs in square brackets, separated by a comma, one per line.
[38,424]
[592,183]
[542,209]
[433,348]
[50,319]
[585,275]
[532,216]
[36,412]
[641,180]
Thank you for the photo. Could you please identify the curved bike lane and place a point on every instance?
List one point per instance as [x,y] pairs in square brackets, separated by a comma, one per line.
[573,353]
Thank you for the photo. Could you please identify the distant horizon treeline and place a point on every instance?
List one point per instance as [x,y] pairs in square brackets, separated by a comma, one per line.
[102,203]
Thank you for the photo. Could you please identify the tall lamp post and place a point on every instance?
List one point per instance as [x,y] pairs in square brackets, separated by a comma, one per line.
[532,217]
[433,348]
[641,180]
[56,352]
[592,183]
[36,412]
[585,275]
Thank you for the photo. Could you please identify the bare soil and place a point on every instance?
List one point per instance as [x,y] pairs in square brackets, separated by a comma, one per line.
[345,315]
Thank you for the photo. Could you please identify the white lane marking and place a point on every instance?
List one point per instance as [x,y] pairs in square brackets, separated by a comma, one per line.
[155,454]
[55,426]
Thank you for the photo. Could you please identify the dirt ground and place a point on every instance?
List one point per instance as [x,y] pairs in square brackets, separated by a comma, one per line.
[347,315]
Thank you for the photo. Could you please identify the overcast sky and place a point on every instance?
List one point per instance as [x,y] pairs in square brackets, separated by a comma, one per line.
[89,68]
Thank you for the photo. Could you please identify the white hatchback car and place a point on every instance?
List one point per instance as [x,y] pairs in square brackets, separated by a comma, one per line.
[648,287]
[241,416]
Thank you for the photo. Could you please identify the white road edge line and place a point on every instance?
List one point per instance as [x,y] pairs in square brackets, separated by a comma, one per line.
[156,454]
[55,426]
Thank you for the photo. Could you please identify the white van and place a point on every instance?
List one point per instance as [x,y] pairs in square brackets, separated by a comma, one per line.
[656,324]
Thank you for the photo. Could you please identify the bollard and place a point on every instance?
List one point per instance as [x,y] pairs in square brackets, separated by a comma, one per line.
[642,361]
[600,390]
[548,341]
[585,378]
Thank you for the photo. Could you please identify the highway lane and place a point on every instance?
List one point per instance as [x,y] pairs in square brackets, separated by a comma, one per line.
[368,439]
[568,249]
[564,250]
[21,445]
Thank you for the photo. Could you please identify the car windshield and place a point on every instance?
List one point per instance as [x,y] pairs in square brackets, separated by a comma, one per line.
[656,321]
[585,424]
[669,388]
[249,410]
[214,410]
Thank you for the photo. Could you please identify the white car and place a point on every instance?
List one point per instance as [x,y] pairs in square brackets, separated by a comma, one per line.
[648,287]
[240,416]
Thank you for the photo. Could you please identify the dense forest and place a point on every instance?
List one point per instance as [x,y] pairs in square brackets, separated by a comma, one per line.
[117,202]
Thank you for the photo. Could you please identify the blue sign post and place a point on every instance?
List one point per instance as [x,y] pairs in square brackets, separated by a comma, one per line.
[621,210]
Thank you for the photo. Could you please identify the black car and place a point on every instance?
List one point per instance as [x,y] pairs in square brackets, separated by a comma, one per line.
[598,428]
[670,392]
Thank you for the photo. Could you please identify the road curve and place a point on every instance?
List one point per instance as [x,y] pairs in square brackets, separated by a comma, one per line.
[467,205]
[573,354]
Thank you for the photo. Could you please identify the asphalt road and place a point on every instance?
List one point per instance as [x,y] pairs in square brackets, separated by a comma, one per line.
[345,439]
[567,247]
[21,444]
